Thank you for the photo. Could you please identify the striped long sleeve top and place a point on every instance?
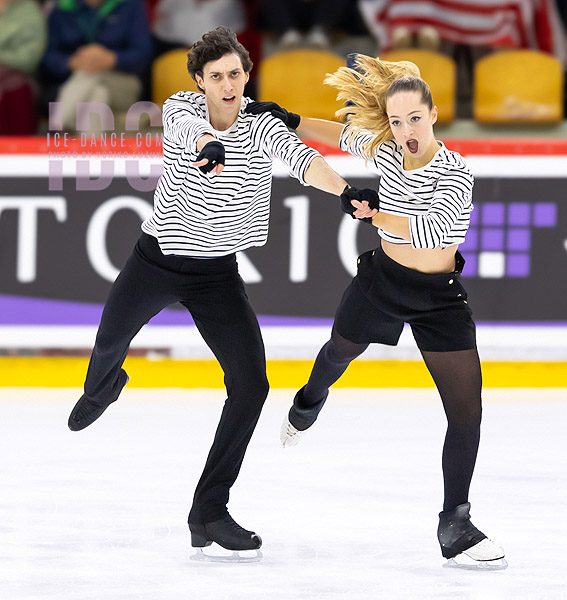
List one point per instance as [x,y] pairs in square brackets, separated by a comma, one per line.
[437,198]
[204,216]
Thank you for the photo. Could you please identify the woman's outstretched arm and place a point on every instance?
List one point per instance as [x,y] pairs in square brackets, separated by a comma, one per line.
[322,130]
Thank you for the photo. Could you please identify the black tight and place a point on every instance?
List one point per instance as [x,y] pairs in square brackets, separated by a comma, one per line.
[331,362]
[457,376]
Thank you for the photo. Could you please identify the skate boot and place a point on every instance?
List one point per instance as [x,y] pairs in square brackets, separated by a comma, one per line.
[228,534]
[464,545]
[86,411]
[289,435]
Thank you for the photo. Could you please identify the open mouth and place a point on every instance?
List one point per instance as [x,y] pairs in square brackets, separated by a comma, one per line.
[229,99]
[412,146]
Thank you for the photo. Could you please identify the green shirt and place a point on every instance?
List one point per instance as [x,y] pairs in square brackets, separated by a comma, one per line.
[23,35]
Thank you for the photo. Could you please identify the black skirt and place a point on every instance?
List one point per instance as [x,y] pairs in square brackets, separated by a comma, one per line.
[384,295]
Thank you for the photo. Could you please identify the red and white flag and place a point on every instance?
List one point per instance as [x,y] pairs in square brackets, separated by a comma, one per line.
[534,24]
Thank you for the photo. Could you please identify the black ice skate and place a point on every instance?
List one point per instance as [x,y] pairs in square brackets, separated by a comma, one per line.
[464,545]
[228,534]
[86,411]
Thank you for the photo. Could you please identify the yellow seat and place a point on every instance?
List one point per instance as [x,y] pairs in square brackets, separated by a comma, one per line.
[294,79]
[169,75]
[440,73]
[518,86]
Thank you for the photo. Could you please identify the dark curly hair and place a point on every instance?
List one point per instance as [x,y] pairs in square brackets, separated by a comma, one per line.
[214,45]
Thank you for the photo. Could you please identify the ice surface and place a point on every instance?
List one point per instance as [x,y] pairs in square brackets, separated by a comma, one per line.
[350,513]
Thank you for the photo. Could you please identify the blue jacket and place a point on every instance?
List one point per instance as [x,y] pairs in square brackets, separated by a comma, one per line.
[119,25]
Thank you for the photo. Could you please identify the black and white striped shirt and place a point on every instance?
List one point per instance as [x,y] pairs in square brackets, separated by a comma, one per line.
[437,198]
[204,216]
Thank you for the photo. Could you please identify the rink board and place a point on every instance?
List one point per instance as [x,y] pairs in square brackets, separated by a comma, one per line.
[54,280]
[68,224]
[171,373]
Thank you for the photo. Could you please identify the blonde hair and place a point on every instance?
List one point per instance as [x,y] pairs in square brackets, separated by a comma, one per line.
[366,88]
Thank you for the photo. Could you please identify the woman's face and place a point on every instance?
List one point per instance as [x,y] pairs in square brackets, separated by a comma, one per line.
[411,122]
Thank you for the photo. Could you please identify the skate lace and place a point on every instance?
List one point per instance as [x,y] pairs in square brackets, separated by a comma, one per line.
[85,409]
[289,435]
[291,431]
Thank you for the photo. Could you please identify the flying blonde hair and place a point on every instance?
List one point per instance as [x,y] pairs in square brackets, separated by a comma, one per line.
[365,88]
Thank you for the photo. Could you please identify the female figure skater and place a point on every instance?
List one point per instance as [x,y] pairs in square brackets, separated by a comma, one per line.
[422,212]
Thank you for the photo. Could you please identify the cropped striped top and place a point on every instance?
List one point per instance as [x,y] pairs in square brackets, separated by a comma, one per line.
[437,198]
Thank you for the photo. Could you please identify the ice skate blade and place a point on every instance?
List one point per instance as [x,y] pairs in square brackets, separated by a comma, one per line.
[235,556]
[464,562]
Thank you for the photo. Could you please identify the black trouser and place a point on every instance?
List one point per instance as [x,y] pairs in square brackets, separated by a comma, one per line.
[213,292]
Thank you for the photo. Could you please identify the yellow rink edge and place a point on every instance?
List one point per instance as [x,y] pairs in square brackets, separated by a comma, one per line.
[172,373]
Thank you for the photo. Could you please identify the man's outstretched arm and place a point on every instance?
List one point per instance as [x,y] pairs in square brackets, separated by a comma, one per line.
[320,175]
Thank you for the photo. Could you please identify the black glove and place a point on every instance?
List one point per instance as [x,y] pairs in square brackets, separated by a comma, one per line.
[350,193]
[290,119]
[214,152]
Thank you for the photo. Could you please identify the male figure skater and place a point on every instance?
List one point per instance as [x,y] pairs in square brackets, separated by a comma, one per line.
[212,201]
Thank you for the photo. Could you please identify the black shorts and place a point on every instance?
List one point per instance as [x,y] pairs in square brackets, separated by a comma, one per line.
[384,295]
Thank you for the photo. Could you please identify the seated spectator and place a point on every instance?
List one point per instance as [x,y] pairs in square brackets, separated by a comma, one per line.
[465,31]
[97,51]
[22,42]
[305,22]
[425,37]
[180,23]
[498,24]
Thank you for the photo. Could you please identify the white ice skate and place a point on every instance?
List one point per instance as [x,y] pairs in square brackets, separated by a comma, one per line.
[464,545]
[486,555]
[289,435]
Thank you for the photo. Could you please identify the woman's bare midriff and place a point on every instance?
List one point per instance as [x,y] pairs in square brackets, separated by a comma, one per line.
[425,260]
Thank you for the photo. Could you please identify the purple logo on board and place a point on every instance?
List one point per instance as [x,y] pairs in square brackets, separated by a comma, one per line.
[498,243]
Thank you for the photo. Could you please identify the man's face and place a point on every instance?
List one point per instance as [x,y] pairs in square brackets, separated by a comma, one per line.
[223,82]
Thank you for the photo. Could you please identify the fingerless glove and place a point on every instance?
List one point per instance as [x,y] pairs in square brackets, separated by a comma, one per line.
[214,152]
[292,120]
[351,193]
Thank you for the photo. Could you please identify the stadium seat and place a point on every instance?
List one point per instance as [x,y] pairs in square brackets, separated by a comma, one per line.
[439,71]
[518,86]
[294,79]
[169,75]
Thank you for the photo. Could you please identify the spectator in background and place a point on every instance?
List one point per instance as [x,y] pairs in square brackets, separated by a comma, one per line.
[289,19]
[498,24]
[562,8]
[22,42]
[466,31]
[97,51]
[180,23]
